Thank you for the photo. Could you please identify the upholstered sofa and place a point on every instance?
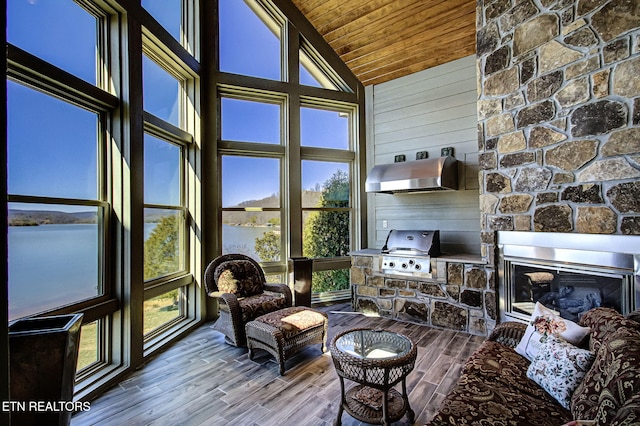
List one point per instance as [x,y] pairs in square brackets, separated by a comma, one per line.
[495,389]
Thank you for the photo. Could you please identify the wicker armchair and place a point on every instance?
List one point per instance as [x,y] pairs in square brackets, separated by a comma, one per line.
[243,293]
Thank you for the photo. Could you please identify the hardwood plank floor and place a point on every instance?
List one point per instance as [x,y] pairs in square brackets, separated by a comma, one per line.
[201,380]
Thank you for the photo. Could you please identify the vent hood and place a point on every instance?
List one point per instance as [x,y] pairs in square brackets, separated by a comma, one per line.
[431,174]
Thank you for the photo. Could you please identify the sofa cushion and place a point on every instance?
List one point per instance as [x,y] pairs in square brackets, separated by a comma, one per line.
[629,413]
[559,367]
[612,380]
[495,363]
[603,322]
[545,322]
[239,277]
[476,401]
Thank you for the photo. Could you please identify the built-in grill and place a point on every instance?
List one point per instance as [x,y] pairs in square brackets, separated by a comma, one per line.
[408,252]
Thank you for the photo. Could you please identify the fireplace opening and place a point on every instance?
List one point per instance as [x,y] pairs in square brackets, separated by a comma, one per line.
[569,293]
[568,273]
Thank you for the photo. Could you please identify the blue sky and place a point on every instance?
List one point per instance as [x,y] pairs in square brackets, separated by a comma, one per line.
[55,158]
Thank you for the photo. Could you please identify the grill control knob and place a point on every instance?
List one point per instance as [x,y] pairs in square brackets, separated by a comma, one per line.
[418,267]
[392,264]
[404,266]
[411,262]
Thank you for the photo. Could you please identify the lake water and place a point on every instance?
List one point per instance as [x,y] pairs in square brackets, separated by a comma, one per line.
[54,265]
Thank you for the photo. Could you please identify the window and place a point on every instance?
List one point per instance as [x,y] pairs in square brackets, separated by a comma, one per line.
[161,92]
[60,123]
[162,310]
[168,13]
[287,151]
[57,208]
[324,128]
[251,214]
[119,191]
[250,121]
[89,346]
[166,216]
[315,72]
[255,53]
[41,27]
[326,219]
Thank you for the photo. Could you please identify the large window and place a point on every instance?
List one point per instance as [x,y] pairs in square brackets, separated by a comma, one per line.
[135,157]
[287,153]
[101,132]
[166,217]
[60,115]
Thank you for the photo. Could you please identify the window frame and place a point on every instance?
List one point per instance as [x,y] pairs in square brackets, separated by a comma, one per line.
[181,136]
[31,71]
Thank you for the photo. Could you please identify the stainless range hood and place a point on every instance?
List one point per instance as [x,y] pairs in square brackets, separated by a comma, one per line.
[431,174]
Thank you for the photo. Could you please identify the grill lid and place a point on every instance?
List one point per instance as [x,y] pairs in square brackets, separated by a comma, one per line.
[419,243]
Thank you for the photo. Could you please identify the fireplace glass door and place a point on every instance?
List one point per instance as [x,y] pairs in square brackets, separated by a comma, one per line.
[568,292]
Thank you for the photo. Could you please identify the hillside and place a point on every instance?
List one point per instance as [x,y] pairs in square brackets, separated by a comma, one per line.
[42,217]
[309,198]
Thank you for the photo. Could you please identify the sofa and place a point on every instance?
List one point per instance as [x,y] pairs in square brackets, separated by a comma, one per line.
[496,387]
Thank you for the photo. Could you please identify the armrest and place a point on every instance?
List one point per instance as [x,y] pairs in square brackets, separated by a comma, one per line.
[280,288]
[508,333]
[230,299]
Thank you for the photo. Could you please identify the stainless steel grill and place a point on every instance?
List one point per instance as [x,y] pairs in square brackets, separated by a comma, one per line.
[408,252]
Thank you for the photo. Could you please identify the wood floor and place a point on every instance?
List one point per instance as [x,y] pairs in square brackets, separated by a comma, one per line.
[201,380]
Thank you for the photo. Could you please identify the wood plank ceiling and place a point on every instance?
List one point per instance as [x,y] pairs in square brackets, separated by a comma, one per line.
[381,40]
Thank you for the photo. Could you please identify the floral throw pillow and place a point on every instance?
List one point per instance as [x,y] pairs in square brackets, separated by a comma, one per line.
[544,323]
[559,367]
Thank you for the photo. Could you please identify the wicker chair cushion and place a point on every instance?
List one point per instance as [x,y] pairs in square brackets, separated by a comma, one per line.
[239,277]
[260,304]
[613,379]
[291,321]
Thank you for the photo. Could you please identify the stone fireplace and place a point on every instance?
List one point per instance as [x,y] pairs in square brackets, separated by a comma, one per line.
[558,124]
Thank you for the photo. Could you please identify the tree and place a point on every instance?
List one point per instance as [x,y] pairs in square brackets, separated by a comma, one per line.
[268,247]
[162,249]
[326,232]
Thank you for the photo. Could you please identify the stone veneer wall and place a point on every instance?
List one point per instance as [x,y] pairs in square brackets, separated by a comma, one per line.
[559,117]
[461,295]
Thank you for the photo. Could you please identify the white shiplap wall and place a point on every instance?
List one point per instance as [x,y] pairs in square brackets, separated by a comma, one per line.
[427,111]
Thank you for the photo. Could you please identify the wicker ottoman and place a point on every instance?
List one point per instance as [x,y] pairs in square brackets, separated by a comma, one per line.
[287,331]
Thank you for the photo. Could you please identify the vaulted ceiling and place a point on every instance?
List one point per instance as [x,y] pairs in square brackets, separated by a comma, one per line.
[381,40]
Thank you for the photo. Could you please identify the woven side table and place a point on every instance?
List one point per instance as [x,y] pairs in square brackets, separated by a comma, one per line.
[287,331]
[376,360]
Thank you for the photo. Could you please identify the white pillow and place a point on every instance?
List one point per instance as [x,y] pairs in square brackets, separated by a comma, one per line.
[559,367]
[544,322]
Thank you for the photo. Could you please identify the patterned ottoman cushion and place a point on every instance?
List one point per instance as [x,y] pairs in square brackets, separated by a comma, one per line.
[292,321]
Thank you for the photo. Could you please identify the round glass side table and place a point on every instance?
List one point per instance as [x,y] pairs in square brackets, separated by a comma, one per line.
[376,360]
